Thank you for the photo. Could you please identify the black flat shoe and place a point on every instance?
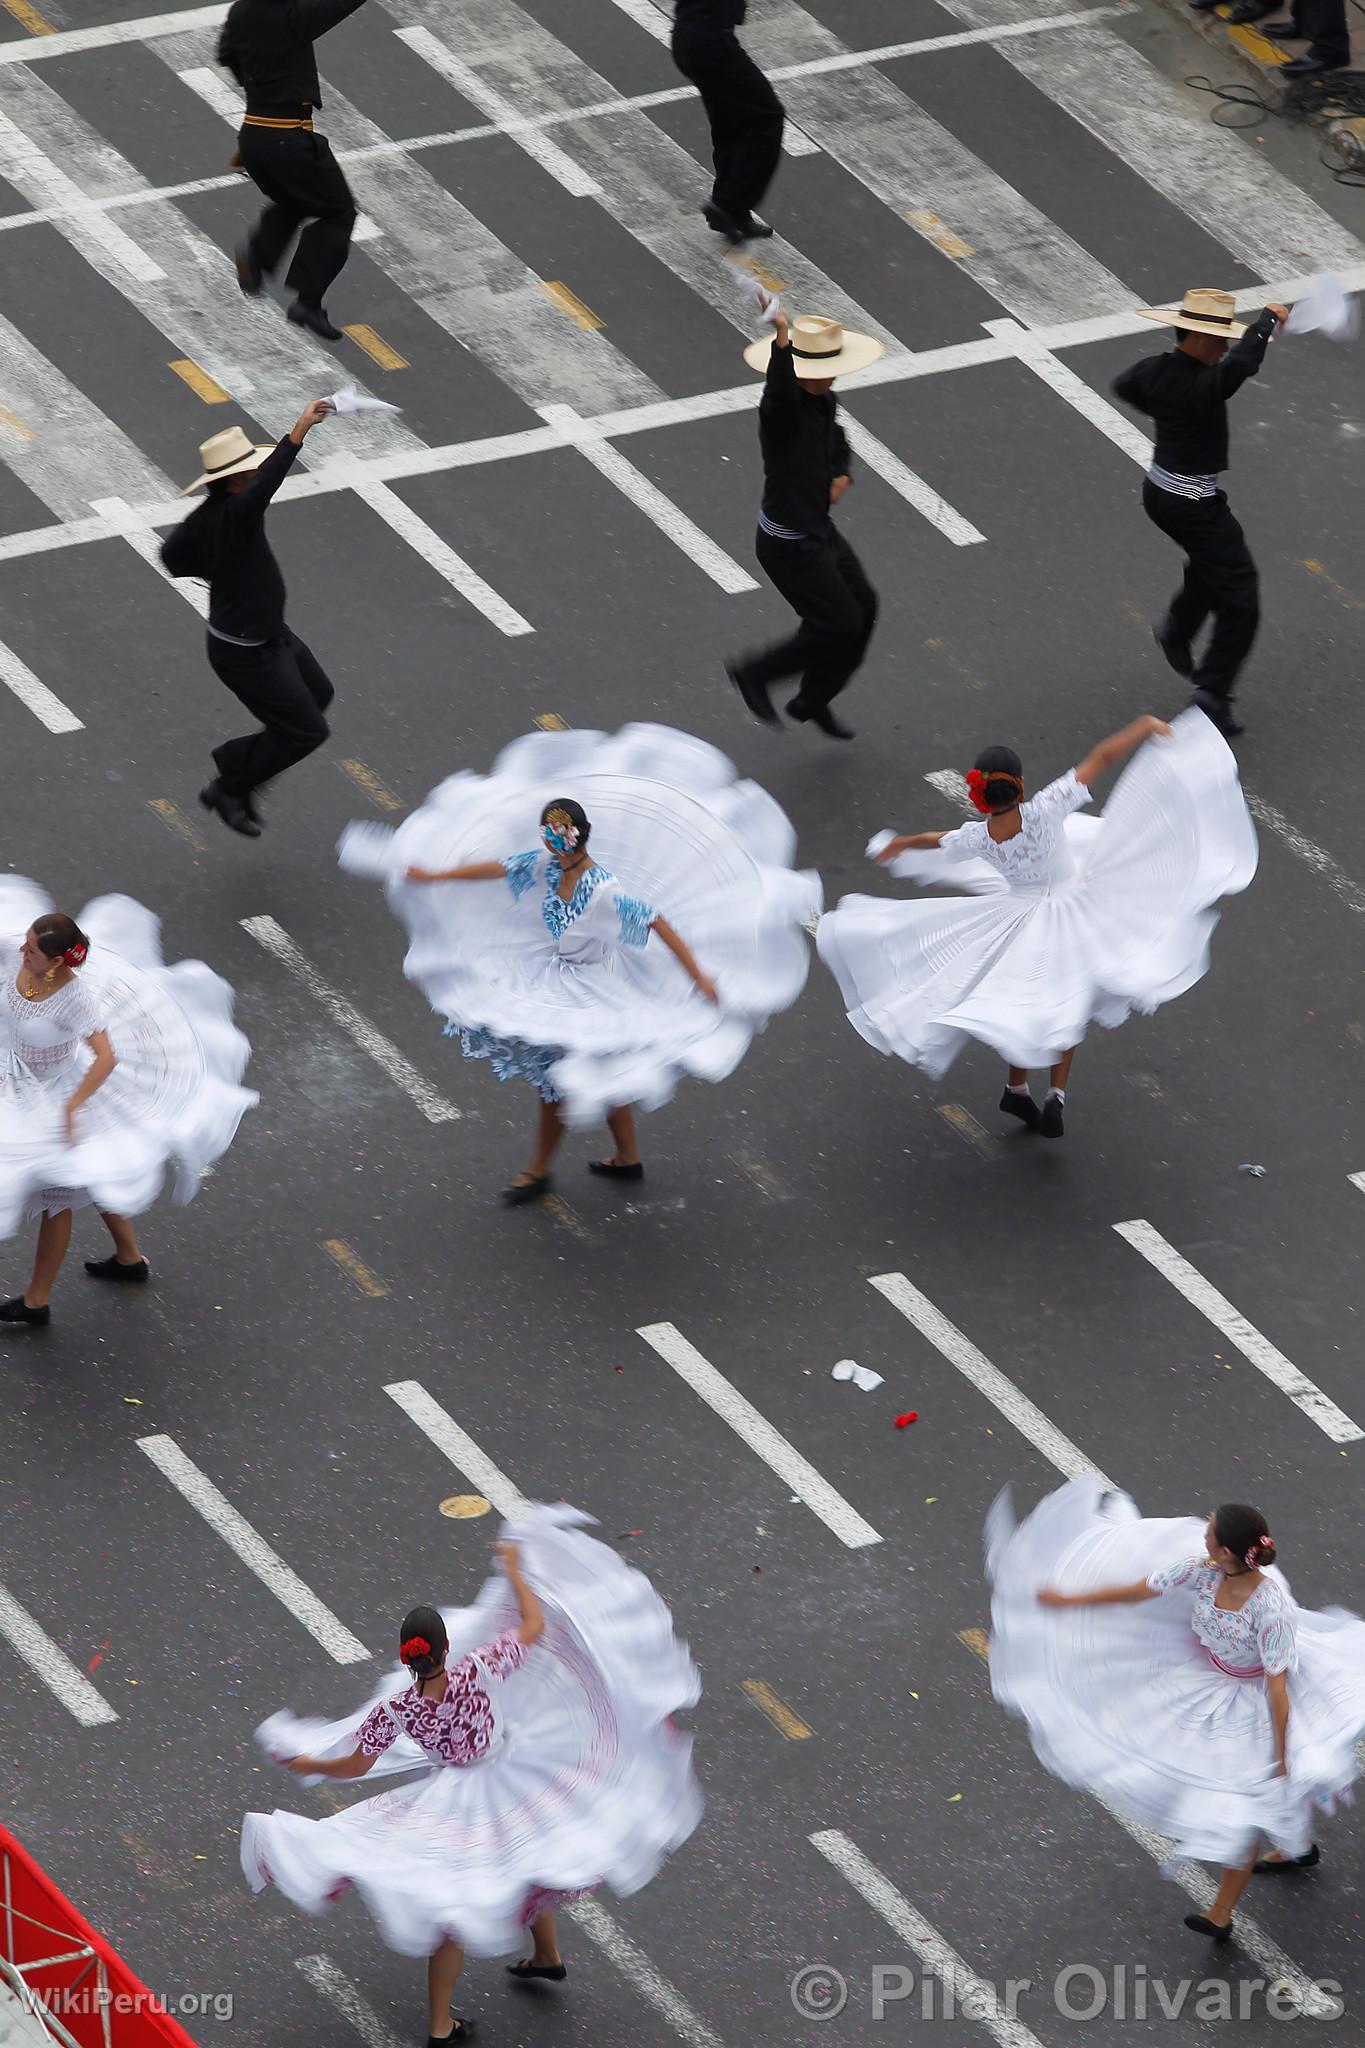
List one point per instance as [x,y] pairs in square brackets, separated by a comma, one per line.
[18,1311]
[1178,652]
[314,318]
[1310,67]
[249,274]
[461,2030]
[1252,10]
[1200,1925]
[755,695]
[526,1191]
[553,1973]
[1022,1106]
[615,1170]
[1050,1119]
[1268,1866]
[230,809]
[113,1268]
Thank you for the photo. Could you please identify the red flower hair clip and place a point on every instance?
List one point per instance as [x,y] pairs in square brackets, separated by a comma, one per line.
[75,956]
[415,1646]
[976,790]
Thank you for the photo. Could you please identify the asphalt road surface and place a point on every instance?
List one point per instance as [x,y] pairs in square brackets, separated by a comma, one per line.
[994,196]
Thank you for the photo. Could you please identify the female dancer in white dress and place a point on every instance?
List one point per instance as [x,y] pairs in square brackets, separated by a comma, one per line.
[1080,921]
[1222,1714]
[551,978]
[539,1720]
[112,1065]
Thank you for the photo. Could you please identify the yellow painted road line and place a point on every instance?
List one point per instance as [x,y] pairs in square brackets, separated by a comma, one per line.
[977,1641]
[933,230]
[763,1177]
[778,1712]
[550,721]
[565,1217]
[966,1126]
[14,423]
[1256,45]
[767,278]
[378,792]
[200,383]
[1352,604]
[570,305]
[376,347]
[354,1268]
[175,821]
[29,18]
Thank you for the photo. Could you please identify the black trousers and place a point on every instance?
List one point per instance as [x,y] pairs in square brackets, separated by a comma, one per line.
[825,584]
[303,182]
[285,686]
[1220,578]
[745,113]
[1323,24]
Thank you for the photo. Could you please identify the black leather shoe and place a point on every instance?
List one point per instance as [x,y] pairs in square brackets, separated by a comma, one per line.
[1252,10]
[526,1191]
[1023,1106]
[113,1268]
[1218,711]
[1310,67]
[1283,32]
[614,1170]
[460,2030]
[1050,1119]
[1202,6]
[553,1973]
[314,318]
[1212,1928]
[18,1311]
[1177,651]
[755,695]
[824,721]
[230,809]
[249,274]
[1268,1866]
[736,228]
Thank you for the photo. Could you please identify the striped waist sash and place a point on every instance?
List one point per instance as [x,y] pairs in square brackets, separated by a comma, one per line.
[1230,1671]
[275,121]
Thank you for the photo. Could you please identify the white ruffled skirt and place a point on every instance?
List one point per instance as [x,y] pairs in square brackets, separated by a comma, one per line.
[173,1101]
[710,853]
[1126,1703]
[588,1781]
[1027,973]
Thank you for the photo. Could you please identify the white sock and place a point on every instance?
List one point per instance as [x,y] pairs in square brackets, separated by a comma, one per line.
[1056,1095]
[1017,1087]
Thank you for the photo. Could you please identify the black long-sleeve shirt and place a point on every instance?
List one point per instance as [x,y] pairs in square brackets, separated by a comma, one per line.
[224,542]
[718,17]
[1187,399]
[804,448]
[267,45]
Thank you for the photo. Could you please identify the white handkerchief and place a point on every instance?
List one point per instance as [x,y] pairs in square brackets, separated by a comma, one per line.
[351,400]
[1326,308]
[366,850]
[859,1374]
[766,303]
[877,843]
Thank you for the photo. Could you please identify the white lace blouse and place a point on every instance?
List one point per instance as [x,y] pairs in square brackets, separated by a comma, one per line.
[1258,1639]
[1037,857]
[42,1041]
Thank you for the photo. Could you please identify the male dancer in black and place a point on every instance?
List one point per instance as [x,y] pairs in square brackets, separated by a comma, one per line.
[745,113]
[1186,392]
[807,468]
[267,45]
[250,647]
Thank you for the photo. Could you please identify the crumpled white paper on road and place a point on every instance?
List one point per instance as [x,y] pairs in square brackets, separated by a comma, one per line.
[860,1375]
[1326,308]
[351,400]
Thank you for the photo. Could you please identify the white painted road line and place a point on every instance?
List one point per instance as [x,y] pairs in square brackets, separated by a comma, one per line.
[50,711]
[253,1550]
[971,1995]
[71,42]
[796,1473]
[462,1451]
[142,539]
[426,542]
[640,1972]
[1357,1180]
[646,497]
[1338,881]
[329,1983]
[963,1355]
[1256,1349]
[490,101]
[66,1684]
[889,467]
[29,170]
[1082,397]
[433,1105]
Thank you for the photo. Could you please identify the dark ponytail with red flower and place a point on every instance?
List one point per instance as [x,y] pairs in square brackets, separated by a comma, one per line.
[422,1643]
[60,938]
[996,780]
[1246,1533]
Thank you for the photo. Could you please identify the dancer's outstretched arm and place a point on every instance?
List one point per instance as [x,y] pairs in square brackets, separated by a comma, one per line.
[1118,747]
[532,1624]
[911,842]
[1106,1596]
[683,955]
[478,871]
[353,1766]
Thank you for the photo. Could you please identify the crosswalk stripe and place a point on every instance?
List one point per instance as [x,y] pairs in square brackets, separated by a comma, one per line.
[479,93]
[454,1443]
[332,1984]
[61,1677]
[1256,1349]
[73,450]
[632,483]
[911,162]
[251,1548]
[638,1971]
[974,1366]
[1262,217]
[797,1474]
[970,1994]
[31,171]
[1312,855]
[438,555]
[19,679]
[1082,397]
[1357,1180]
[886,464]
[142,539]
[386,1056]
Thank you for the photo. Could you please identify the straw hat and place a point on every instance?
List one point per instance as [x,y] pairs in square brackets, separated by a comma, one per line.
[227,454]
[820,348]
[1206,312]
